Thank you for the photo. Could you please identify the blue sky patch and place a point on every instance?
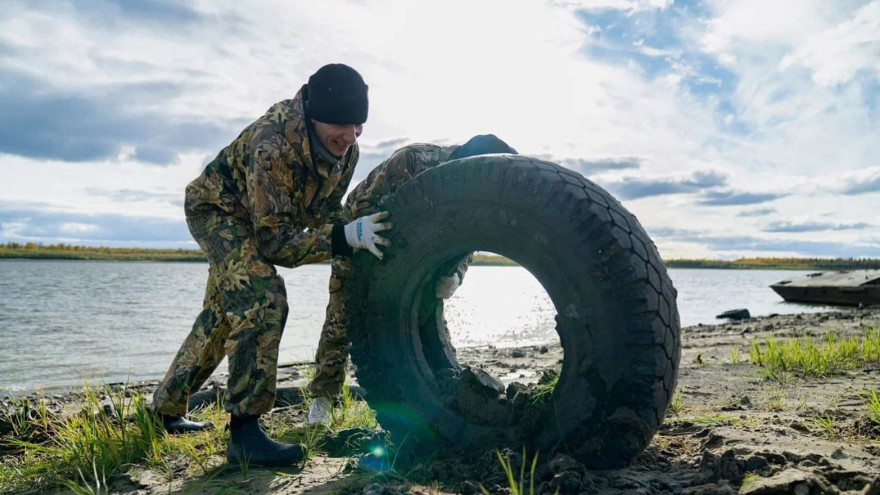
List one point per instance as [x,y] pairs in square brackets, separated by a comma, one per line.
[652,41]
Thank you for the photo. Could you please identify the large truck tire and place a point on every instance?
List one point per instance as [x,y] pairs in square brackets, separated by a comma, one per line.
[617,318]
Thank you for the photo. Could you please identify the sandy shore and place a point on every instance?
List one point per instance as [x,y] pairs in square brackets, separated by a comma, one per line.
[734,431]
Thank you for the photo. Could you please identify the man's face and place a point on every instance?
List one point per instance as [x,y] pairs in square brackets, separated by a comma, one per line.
[337,138]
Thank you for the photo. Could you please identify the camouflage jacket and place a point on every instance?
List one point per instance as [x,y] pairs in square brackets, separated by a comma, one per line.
[270,179]
[370,195]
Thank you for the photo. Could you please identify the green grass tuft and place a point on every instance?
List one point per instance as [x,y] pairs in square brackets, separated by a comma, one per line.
[516,487]
[774,398]
[542,392]
[749,479]
[826,425]
[872,401]
[735,355]
[713,419]
[81,450]
[348,412]
[807,357]
[353,413]
[677,405]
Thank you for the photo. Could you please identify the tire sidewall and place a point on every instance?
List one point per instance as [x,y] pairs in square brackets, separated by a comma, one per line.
[526,210]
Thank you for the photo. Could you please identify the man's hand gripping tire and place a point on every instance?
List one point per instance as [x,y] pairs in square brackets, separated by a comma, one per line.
[363,233]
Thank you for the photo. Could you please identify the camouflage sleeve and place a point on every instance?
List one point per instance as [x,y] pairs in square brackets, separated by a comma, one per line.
[407,162]
[281,237]
[369,194]
[462,267]
[457,266]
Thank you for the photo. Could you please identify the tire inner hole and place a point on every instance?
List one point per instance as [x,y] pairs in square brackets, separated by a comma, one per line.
[500,321]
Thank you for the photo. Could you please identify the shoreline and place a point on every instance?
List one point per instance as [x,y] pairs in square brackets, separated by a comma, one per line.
[292,374]
[731,428]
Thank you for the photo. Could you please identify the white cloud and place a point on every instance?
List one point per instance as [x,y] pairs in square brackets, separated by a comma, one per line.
[836,54]
[12,230]
[627,5]
[790,111]
[77,228]
[796,124]
[740,22]
[858,182]
[65,187]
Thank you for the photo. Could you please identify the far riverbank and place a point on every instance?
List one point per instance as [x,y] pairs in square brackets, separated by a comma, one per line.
[32,250]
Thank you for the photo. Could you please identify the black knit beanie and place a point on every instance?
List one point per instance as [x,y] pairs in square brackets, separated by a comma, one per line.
[337,95]
[481,145]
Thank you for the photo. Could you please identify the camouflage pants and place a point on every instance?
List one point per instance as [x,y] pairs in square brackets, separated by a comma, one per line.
[245,309]
[331,357]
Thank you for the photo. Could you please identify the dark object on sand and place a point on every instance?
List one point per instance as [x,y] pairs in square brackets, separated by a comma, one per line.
[5,427]
[843,287]
[617,315]
[735,314]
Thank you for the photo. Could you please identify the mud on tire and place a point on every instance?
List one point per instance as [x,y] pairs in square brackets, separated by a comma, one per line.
[616,318]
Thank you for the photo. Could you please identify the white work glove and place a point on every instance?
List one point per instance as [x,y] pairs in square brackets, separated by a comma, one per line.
[362,233]
[446,286]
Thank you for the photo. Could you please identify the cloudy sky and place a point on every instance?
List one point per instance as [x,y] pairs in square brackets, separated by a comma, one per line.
[729,128]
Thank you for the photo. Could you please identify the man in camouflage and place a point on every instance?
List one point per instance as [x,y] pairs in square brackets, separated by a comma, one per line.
[368,198]
[272,197]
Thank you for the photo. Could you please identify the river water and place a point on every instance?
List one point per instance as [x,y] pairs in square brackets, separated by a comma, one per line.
[65,321]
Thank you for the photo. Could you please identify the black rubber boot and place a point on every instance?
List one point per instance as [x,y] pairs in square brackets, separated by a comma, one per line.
[176,425]
[249,445]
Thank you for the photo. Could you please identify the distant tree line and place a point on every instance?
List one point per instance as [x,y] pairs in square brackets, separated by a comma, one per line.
[73,252]
[780,263]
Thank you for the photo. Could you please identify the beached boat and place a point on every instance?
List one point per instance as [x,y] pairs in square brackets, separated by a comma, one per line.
[845,287]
